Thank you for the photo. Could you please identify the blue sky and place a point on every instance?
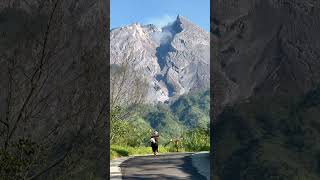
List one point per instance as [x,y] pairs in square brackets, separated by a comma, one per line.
[159,12]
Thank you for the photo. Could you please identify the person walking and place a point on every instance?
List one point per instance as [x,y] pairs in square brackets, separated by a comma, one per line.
[154,142]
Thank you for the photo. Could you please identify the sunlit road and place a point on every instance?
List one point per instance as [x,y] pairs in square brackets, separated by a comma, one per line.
[170,166]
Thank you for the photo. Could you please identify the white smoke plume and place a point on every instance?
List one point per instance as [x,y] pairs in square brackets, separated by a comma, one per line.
[160,22]
[162,37]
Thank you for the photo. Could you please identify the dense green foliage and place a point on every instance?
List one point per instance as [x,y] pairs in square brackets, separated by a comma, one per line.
[17,161]
[193,109]
[187,118]
[120,151]
[129,133]
[197,139]
[270,138]
[163,120]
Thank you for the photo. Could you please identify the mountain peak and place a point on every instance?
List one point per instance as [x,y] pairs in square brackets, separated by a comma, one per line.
[173,59]
[185,23]
[178,25]
[183,20]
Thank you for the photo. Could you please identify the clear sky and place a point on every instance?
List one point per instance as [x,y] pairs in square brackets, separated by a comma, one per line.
[159,12]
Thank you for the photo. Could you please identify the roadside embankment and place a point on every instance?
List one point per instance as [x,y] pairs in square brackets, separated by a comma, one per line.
[201,161]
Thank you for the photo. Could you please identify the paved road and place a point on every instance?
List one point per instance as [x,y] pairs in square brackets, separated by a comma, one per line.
[172,166]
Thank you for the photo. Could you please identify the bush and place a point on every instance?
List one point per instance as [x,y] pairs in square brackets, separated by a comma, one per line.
[123,151]
[197,139]
[20,159]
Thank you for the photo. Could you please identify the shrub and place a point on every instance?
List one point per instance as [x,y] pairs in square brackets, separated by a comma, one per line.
[197,139]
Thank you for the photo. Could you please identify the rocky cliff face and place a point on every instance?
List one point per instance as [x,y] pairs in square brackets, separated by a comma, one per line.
[174,59]
[266,47]
[266,63]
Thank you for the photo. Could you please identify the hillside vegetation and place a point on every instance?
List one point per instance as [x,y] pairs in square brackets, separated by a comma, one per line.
[185,119]
[270,138]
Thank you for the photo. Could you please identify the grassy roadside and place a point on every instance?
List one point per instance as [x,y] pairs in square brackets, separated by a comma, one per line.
[123,151]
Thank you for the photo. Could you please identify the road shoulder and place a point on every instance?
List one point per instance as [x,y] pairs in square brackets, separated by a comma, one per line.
[115,170]
[201,161]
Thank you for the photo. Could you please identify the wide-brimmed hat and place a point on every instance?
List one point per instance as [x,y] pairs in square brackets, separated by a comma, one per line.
[155,133]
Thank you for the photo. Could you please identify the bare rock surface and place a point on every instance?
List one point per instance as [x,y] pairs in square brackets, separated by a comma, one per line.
[174,59]
[266,48]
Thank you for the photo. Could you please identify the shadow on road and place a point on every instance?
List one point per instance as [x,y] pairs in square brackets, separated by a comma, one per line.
[173,166]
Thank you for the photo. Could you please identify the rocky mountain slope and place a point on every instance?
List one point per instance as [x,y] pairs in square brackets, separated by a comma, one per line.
[266,47]
[265,86]
[173,59]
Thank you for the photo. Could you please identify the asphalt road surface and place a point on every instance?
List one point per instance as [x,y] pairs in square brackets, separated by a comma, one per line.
[169,166]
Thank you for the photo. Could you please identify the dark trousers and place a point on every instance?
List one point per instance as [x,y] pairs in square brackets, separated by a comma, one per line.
[154,147]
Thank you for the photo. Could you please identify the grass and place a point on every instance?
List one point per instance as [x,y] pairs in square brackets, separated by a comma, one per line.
[117,151]
[123,151]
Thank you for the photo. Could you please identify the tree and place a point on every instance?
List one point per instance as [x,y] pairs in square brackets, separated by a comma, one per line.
[197,139]
[53,81]
[128,87]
